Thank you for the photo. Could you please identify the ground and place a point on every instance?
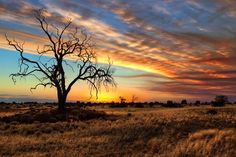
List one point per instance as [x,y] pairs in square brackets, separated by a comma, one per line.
[175,132]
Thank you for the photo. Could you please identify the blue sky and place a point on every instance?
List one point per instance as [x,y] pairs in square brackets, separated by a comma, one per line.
[161,49]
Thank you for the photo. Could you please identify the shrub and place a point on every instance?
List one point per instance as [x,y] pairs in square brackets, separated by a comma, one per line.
[118,105]
[171,104]
[184,102]
[220,100]
[197,103]
[139,105]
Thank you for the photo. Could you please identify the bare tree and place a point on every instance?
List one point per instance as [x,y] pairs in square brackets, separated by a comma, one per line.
[63,42]
[122,100]
[134,98]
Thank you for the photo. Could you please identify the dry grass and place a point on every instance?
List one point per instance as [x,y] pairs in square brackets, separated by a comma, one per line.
[184,132]
[211,142]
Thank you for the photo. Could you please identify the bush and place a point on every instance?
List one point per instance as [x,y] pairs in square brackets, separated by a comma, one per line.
[118,105]
[139,105]
[197,103]
[220,100]
[184,102]
[171,104]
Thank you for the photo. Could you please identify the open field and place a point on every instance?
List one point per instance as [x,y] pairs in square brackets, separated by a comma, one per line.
[174,132]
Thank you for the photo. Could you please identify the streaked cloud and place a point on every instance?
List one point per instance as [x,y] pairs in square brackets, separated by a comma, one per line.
[185,47]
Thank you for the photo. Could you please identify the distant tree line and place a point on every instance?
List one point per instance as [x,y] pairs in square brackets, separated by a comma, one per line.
[219,100]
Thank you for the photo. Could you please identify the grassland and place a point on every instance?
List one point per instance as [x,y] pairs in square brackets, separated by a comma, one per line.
[164,132]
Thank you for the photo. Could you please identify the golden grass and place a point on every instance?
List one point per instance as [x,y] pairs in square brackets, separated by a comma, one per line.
[211,142]
[147,132]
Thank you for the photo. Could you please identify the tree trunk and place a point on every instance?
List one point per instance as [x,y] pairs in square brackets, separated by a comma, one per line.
[61,104]
[61,101]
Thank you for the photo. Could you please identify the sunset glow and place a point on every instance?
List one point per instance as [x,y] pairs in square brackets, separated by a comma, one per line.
[160,49]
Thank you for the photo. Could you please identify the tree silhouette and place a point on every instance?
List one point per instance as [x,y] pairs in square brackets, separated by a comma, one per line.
[63,42]
[122,100]
[134,98]
[220,100]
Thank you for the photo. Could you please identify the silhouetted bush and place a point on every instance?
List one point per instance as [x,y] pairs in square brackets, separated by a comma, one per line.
[30,103]
[118,105]
[139,105]
[172,104]
[197,103]
[220,100]
[151,104]
[169,103]
[184,102]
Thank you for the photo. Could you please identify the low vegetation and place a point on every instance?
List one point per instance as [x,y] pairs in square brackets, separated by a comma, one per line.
[157,131]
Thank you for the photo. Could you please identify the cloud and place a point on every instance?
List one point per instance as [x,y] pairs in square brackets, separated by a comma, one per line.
[171,40]
[139,76]
[6,95]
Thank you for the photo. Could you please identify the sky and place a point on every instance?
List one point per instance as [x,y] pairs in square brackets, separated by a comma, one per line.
[161,49]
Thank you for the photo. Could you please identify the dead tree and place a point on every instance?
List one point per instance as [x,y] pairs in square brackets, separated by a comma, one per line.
[122,100]
[134,98]
[64,42]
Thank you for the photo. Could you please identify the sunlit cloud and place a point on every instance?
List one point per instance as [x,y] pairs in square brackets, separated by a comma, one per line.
[179,47]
